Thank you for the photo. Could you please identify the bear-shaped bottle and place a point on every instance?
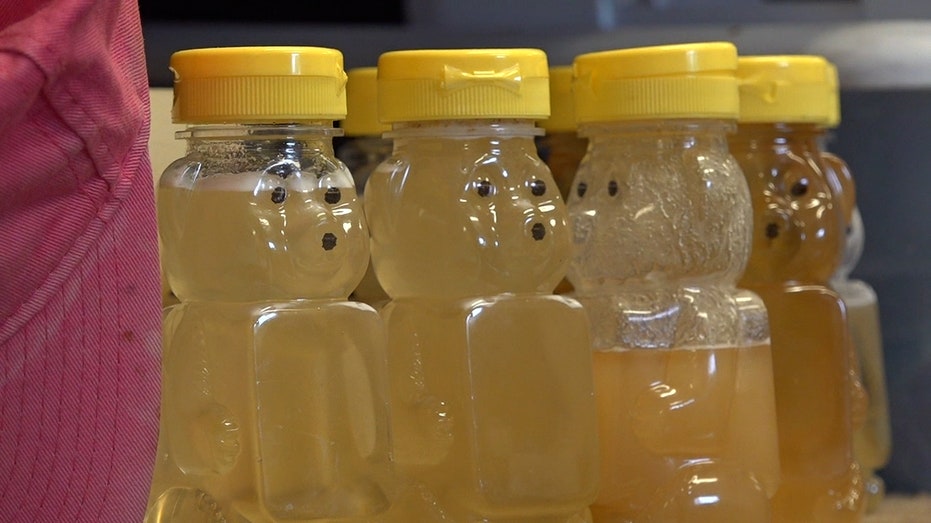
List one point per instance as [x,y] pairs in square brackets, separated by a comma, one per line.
[274,385]
[661,218]
[797,245]
[872,437]
[490,378]
[362,151]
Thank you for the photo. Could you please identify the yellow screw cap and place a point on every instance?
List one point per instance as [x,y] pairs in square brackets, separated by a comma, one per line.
[787,88]
[562,116]
[834,82]
[258,85]
[462,84]
[658,82]
[362,102]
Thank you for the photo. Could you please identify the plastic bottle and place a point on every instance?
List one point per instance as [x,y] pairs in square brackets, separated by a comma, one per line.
[661,220]
[797,245]
[872,442]
[163,149]
[274,386]
[364,147]
[362,151]
[490,374]
[561,147]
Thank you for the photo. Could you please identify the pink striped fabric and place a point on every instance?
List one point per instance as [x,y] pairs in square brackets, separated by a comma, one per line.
[79,277]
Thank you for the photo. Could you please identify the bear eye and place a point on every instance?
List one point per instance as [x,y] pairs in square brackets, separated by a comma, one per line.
[538,187]
[279,194]
[332,195]
[799,188]
[483,188]
[581,188]
[612,187]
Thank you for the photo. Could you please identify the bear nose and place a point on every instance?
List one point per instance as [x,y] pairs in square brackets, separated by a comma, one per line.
[538,231]
[328,241]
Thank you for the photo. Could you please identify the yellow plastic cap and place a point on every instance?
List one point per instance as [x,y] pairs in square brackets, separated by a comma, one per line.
[787,88]
[441,84]
[362,100]
[562,115]
[834,118]
[658,82]
[258,85]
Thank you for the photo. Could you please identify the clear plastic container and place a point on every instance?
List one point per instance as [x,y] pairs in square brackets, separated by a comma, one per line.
[362,150]
[490,374]
[797,244]
[872,441]
[561,148]
[661,221]
[274,385]
[364,146]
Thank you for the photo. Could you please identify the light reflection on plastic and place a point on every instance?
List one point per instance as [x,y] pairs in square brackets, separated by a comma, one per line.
[647,315]
[641,212]
[698,481]
[667,391]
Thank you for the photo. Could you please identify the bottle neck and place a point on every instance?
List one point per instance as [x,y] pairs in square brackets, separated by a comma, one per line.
[779,135]
[673,134]
[241,147]
[464,129]
[370,147]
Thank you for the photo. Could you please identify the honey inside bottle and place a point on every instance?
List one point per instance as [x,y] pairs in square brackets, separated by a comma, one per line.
[797,243]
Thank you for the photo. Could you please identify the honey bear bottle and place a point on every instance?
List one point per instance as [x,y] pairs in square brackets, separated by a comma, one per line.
[661,222]
[364,147]
[493,417]
[797,246]
[561,147]
[362,151]
[274,385]
[872,442]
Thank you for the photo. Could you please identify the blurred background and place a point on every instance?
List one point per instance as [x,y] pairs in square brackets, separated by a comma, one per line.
[882,49]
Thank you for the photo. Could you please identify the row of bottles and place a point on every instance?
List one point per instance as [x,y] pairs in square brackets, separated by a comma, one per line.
[693,364]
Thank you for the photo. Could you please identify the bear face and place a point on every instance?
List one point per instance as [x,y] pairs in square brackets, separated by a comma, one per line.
[642,214]
[255,228]
[797,232]
[466,217]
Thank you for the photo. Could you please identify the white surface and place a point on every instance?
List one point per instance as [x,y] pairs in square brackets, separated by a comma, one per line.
[879,55]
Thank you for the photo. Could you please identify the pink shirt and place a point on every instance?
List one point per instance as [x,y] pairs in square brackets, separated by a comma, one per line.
[79,278]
